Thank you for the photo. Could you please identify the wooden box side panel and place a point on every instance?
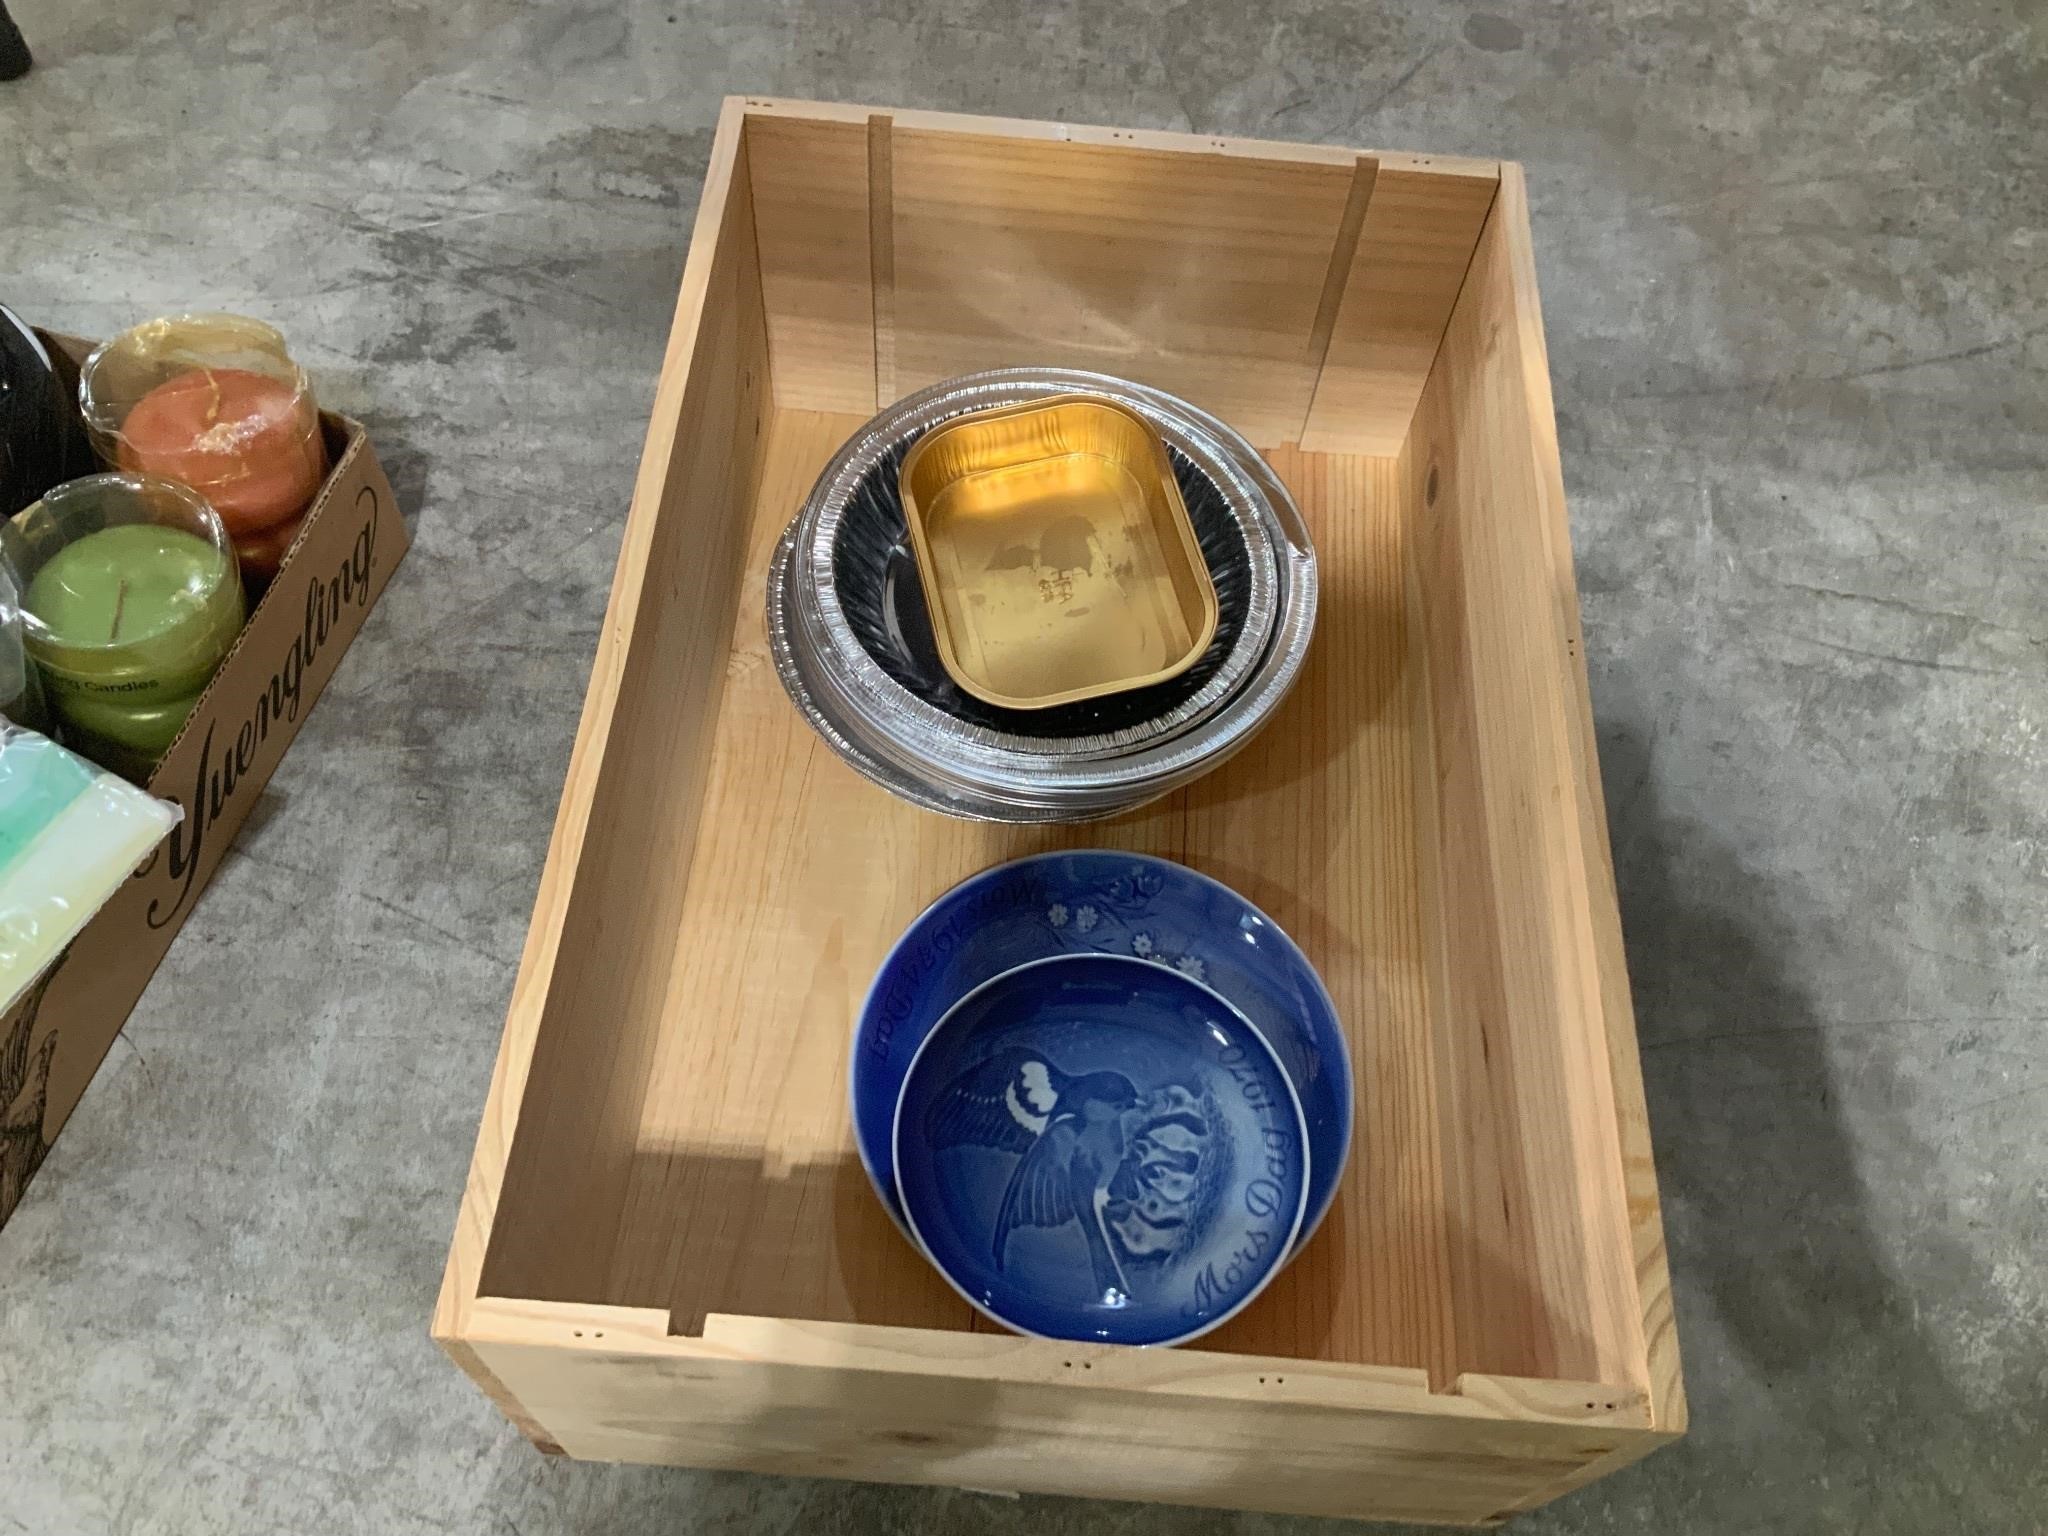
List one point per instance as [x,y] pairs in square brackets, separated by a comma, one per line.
[1662,1378]
[967,1430]
[902,248]
[809,182]
[589,993]
[1199,274]
[1551,1195]
[1417,240]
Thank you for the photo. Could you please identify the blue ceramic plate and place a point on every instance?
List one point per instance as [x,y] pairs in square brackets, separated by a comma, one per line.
[1091,1147]
[1103,902]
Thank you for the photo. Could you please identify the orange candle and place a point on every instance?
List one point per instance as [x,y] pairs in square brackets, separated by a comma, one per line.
[248,443]
[261,553]
[217,402]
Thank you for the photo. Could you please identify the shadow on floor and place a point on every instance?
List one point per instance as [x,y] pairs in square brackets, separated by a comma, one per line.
[405,466]
[1758,1169]
[1802,1340]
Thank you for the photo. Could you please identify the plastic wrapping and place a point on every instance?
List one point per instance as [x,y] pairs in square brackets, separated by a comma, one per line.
[130,601]
[21,685]
[70,833]
[217,402]
[42,441]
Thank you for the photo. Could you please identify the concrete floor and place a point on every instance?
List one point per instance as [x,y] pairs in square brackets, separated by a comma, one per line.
[1795,266]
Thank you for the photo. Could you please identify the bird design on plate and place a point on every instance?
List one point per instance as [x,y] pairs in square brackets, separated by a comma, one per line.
[1136,1170]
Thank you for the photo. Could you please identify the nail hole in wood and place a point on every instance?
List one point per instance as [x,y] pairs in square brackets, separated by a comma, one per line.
[1429,488]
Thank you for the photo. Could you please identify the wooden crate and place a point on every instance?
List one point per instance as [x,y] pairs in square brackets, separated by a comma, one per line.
[667,1251]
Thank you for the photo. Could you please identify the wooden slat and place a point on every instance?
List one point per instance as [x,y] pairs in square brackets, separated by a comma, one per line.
[605,917]
[1040,130]
[1662,1377]
[1008,1358]
[1413,250]
[1172,1426]
[1533,997]
[1338,275]
[1198,273]
[1037,1439]
[809,180]
[882,253]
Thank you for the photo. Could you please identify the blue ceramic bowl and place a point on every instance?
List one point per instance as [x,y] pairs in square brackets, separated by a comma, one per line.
[1103,902]
[1091,1147]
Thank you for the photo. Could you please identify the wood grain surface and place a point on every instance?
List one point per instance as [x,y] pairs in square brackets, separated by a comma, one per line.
[745,1193]
[668,1250]
[1298,291]
[1543,1255]
[1410,263]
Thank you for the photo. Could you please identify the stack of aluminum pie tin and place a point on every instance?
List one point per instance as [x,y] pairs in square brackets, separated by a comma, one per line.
[854,640]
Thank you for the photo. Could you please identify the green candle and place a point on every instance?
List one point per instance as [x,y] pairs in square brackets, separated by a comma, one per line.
[133,590]
[133,601]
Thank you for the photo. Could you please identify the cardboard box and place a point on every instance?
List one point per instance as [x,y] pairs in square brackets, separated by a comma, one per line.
[53,1039]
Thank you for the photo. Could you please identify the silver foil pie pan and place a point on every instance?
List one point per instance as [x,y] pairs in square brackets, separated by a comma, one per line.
[827,520]
[840,651]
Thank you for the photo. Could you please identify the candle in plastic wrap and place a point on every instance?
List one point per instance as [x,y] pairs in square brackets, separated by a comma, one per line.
[130,602]
[216,402]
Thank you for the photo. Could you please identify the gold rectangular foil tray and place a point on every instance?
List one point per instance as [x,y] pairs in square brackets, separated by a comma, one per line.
[1057,557]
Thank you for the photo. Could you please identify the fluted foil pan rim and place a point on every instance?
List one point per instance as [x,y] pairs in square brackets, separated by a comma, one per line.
[862,717]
